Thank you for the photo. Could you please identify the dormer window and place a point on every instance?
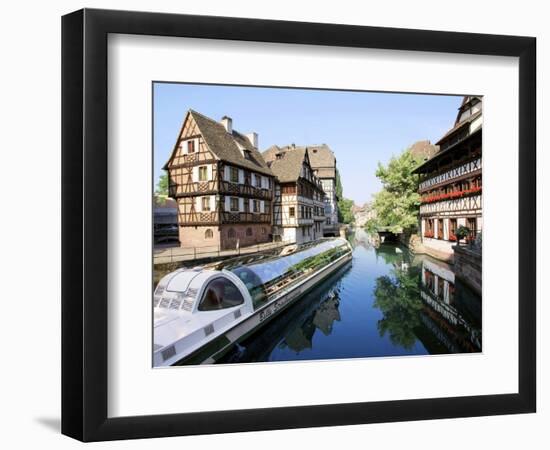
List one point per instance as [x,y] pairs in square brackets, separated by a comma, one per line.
[280,155]
[234,174]
[247,154]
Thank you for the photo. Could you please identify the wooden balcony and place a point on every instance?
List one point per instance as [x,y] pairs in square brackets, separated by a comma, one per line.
[244,217]
[245,190]
[194,188]
[219,218]
[199,218]
[468,168]
[459,205]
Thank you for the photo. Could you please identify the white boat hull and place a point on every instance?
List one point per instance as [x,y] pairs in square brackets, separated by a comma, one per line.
[213,350]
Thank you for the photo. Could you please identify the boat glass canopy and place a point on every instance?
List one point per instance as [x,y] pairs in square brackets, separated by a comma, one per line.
[268,276]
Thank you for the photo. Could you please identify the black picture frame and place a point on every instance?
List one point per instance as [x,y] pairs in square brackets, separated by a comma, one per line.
[84,224]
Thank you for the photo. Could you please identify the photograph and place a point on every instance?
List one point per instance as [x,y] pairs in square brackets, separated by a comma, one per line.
[300,224]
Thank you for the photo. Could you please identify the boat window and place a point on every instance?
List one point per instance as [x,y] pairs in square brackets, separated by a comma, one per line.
[219,294]
[265,278]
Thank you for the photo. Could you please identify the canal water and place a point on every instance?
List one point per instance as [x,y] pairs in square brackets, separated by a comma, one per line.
[387,302]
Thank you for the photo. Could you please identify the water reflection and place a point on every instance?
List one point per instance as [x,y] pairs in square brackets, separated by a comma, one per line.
[420,299]
[387,302]
[294,331]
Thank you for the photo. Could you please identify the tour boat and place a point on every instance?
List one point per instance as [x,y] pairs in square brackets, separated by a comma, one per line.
[203,312]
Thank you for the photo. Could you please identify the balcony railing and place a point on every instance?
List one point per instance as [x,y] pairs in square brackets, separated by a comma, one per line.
[453,205]
[215,217]
[245,217]
[193,188]
[451,195]
[245,190]
[450,174]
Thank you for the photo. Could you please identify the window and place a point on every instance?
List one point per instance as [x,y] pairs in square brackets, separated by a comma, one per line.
[203,173]
[289,189]
[208,234]
[219,294]
[258,180]
[302,211]
[246,177]
[231,233]
[249,232]
[246,204]
[234,174]
[303,231]
[292,211]
[205,203]
[247,154]
[191,146]
[452,229]
[452,225]
[256,206]
[264,230]
[234,204]
[471,224]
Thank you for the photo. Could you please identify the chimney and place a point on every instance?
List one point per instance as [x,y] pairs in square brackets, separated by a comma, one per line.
[227,123]
[253,138]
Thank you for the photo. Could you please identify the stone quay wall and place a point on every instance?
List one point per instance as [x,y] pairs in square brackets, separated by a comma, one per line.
[467,266]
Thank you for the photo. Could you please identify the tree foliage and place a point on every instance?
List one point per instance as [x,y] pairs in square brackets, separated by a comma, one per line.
[162,186]
[397,296]
[345,205]
[397,204]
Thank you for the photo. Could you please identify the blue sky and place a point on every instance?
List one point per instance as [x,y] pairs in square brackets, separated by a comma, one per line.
[362,128]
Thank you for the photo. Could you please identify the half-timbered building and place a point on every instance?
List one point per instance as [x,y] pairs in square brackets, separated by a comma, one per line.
[323,163]
[221,183]
[299,205]
[450,182]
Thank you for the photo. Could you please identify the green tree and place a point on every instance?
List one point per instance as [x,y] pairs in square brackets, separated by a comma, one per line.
[345,210]
[162,186]
[397,205]
[397,296]
[345,205]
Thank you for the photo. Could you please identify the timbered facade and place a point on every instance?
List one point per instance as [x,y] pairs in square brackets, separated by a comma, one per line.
[299,203]
[451,181]
[323,163]
[222,185]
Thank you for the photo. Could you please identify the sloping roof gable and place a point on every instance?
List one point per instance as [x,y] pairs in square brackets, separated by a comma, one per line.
[225,145]
[288,168]
[321,157]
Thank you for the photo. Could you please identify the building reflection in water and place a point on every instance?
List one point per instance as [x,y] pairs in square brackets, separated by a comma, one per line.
[301,338]
[295,328]
[452,311]
[421,299]
[387,302]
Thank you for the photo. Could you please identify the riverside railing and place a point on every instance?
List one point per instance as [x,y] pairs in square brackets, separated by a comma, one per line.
[177,254]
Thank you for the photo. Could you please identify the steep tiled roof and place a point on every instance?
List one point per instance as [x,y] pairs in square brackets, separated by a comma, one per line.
[287,168]
[423,149]
[225,145]
[321,157]
[459,125]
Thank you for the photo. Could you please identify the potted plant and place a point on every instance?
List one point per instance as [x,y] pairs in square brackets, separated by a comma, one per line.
[461,233]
